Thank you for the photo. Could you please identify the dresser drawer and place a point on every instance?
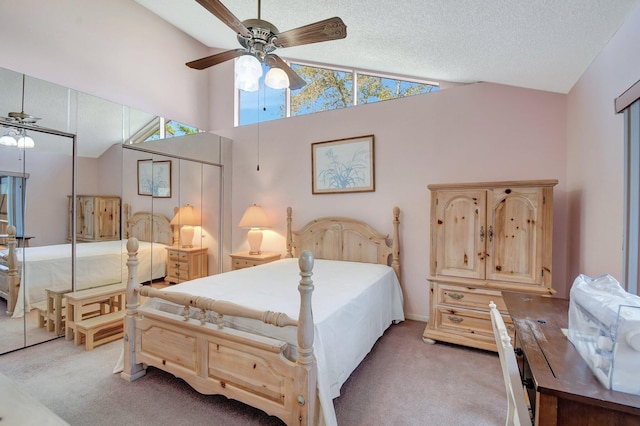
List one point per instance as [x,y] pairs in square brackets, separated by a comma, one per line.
[469,297]
[468,321]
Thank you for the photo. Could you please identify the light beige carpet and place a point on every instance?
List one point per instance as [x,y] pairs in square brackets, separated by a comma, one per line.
[402,382]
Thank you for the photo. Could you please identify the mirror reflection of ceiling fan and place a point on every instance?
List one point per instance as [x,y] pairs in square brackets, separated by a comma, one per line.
[13,136]
[259,39]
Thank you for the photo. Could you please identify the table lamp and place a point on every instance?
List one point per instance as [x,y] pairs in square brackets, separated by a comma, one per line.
[187,218]
[255,219]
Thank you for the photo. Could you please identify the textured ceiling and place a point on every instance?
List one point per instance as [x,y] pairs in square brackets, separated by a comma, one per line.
[539,44]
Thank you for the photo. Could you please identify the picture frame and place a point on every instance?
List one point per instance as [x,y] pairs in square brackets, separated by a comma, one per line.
[343,165]
[154,178]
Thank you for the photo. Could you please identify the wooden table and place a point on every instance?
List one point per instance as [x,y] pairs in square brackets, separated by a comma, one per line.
[562,387]
[23,240]
[108,295]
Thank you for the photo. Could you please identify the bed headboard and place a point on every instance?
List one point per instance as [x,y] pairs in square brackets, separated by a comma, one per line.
[147,226]
[340,238]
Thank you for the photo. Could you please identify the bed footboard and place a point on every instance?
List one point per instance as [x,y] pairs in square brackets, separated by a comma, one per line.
[9,276]
[219,360]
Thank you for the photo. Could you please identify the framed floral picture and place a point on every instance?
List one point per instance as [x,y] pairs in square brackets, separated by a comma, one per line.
[154,178]
[343,165]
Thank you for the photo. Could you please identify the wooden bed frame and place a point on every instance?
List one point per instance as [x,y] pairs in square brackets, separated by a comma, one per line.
[144,226]
[246,367]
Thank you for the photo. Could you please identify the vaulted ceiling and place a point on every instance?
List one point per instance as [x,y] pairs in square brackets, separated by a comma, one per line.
[539,44]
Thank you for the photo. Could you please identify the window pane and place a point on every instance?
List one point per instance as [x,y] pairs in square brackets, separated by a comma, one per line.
[375,89]
[326,89]
[263,105]
[175,128]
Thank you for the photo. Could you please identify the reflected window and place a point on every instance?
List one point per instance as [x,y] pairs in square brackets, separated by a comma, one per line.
[162,128]
[13,189]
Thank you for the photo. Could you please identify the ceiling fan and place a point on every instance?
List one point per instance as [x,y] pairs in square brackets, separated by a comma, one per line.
[260,38]
[14,136]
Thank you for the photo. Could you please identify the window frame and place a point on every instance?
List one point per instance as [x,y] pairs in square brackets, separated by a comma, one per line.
[354,71]
[629,104]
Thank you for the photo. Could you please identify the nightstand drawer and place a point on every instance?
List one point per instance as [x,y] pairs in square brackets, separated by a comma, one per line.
[186,263]
[247,260]
[244,263]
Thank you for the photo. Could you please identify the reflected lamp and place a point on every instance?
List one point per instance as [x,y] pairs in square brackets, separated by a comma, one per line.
[186,217]
[255,219]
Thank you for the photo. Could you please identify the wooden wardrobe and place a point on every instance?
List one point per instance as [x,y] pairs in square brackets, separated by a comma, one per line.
[97,218]
[485,237]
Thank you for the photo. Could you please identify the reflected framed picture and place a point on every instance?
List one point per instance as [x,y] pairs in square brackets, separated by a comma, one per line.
[154,178]
[343,165]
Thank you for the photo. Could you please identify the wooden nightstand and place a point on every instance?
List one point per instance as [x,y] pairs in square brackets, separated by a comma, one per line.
[185,264]
[245,260]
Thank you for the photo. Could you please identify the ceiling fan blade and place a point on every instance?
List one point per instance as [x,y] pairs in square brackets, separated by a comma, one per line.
[329,29]
[216,59]
[295,81]
[223,14]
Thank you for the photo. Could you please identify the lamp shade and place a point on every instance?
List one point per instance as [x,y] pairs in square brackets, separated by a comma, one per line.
[186,215]
[254,217]
[276,78]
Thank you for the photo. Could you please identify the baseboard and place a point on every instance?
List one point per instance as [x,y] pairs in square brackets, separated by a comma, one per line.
[415,317]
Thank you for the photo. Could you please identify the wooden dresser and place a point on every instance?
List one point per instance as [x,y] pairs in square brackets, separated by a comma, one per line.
[485,237]
[97,218]
[186,263]
[246,260]
[561,387]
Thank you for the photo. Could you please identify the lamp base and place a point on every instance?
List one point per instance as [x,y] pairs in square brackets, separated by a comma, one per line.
[254,236]
[186,236]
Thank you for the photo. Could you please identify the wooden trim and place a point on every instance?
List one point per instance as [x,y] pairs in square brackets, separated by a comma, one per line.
[629,96]
[501,184]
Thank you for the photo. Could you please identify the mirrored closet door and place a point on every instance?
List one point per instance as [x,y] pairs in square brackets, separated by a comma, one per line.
[71,196]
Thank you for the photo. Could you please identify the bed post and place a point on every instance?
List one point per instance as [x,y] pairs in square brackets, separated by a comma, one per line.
[131,371]
[307,397]
[13,278]
[289,239]
[395,247]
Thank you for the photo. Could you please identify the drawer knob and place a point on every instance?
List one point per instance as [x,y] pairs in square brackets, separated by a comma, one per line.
[456,296]
[455,319]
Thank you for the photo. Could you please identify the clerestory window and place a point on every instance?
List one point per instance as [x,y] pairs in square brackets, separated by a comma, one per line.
[327,88]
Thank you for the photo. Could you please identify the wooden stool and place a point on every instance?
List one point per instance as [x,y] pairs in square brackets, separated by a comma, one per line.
[101,329]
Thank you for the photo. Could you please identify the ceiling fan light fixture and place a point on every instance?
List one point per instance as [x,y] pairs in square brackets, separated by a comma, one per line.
[25,141]
[248,73]
[276,78]
[9,138]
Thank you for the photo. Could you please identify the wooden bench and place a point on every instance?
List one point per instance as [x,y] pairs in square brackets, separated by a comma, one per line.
[101,329]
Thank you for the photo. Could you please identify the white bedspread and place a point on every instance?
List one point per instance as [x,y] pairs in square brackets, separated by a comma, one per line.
[97,264]
[353,304]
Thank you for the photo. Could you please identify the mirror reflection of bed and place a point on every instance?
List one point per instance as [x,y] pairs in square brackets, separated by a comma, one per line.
[105,164]
[47,270]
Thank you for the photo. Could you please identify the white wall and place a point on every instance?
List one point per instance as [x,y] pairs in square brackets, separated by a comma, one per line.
[482,132]
[113,49]
[595,144]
